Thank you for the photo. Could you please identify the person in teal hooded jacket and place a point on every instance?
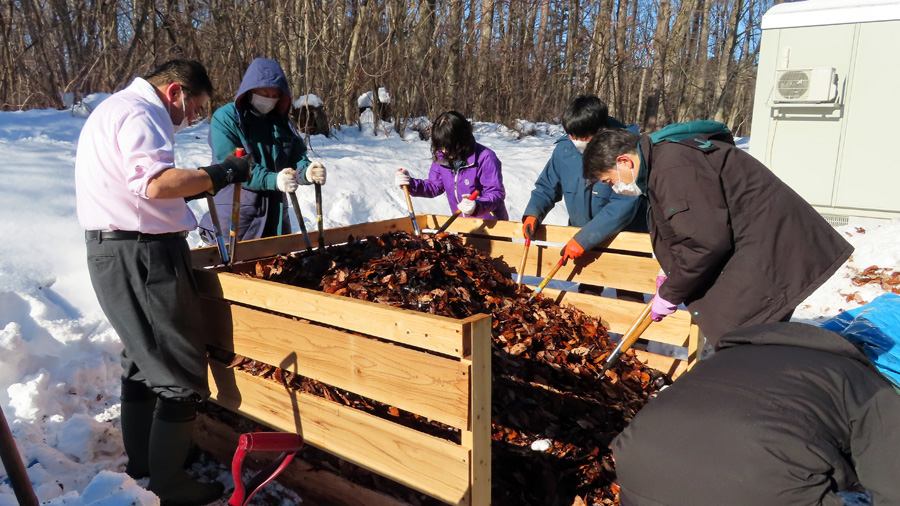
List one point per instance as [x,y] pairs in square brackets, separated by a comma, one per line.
[258,121]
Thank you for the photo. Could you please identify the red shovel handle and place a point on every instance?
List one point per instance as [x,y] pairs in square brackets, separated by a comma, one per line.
[270,442]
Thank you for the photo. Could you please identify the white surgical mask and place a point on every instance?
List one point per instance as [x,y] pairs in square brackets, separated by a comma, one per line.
[626,189]
[262,104]
[184,120]
[579,145]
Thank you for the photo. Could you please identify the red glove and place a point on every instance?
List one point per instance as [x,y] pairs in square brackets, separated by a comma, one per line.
[572,250]
[529,226]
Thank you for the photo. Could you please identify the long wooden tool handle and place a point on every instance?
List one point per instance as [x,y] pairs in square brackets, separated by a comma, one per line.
[15,469]
[296,204]
[629,338]
[235,213]
[562,261]
[456,213]
[522,264]
[412,214]
[319,223]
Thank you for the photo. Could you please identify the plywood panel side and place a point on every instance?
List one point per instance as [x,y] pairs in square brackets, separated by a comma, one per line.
[429,385]
[426,463]
[436,333]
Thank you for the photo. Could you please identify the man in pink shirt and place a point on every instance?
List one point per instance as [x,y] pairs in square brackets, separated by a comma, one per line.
[131,200]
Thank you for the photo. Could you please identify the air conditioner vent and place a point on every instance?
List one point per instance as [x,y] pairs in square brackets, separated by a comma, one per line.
[811,85]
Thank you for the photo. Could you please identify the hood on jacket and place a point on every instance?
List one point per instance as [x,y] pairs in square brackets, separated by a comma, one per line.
[265,73]
[793,334]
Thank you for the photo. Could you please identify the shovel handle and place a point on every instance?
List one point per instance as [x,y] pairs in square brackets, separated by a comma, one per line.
[522,264]
[629,338]
[540,287]
[412,214]
[319,223]
[235,213]
[456,213]
[296,204]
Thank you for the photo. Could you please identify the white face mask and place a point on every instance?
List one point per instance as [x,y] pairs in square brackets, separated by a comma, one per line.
[184,119]
[626,189]
[580,145]
[263,105]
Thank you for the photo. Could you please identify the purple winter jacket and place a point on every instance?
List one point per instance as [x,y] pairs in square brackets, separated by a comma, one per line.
[480,172]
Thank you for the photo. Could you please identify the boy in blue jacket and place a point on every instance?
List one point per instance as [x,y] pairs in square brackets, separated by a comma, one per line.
[599,212]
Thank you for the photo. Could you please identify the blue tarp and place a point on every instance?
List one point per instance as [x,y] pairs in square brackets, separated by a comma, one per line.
[875,328]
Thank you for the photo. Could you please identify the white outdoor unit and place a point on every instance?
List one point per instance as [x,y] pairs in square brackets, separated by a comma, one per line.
[826,105]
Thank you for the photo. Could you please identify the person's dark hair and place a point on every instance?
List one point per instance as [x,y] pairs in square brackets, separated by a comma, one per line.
[452,133]
[601,153]
[584,115]
[191,75]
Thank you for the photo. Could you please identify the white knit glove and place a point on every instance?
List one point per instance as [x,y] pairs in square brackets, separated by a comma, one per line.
[401,178]
[467,206]
[287,181]
[315,173]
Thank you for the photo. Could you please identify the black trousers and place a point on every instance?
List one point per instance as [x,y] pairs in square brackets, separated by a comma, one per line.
[148,292]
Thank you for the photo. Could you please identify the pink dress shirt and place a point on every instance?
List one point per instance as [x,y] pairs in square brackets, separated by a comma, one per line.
[126,142]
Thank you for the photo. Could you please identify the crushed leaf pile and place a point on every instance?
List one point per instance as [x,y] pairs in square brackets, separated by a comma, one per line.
[545,362]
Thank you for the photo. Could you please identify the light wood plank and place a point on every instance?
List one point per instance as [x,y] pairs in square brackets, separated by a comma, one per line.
[436,333]
[621,314]
[316,486]
[432,386]
[614,270]
[625,241]
[478,436]
[672,366]
[431,465]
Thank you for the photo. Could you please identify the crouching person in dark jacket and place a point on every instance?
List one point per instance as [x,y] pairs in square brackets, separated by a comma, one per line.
[737,245]
[782,414]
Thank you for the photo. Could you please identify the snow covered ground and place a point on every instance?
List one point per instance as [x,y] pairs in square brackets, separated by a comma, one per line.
[59,358]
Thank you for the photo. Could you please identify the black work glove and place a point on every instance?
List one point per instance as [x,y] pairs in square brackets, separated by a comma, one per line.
[231,170]
[529,226]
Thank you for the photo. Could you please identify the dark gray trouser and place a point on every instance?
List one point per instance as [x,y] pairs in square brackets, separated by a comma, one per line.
[148,292]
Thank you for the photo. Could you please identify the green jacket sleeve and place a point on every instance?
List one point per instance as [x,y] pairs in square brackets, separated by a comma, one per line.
[225,137]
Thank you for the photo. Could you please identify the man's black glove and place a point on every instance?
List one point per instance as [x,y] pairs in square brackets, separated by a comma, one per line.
[231,170]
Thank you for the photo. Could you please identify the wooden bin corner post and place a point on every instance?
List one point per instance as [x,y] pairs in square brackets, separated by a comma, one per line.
[477,437]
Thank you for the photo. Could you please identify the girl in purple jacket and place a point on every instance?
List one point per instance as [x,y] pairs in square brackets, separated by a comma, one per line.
[460,167]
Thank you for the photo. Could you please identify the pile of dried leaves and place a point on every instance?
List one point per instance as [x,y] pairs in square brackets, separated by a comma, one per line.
[545,360]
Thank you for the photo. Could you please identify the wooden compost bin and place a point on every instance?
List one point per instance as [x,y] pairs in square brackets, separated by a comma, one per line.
[432,366]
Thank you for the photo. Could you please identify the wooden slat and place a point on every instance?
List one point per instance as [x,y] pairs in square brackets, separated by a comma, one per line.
[621,314]
[478,435]
[429,385]
[316,486]
[625,272]
[431,465]
[671,366]
[283,244]
[625,241]
[436,333]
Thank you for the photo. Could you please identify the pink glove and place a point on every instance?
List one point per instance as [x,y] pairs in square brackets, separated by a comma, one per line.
[660,280]
[660,308]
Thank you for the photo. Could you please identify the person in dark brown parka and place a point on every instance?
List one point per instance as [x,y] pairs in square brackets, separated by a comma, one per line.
[737,245]
[783,414]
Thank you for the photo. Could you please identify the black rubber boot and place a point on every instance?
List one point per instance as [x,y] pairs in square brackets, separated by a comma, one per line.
[138,403]
[170,440]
